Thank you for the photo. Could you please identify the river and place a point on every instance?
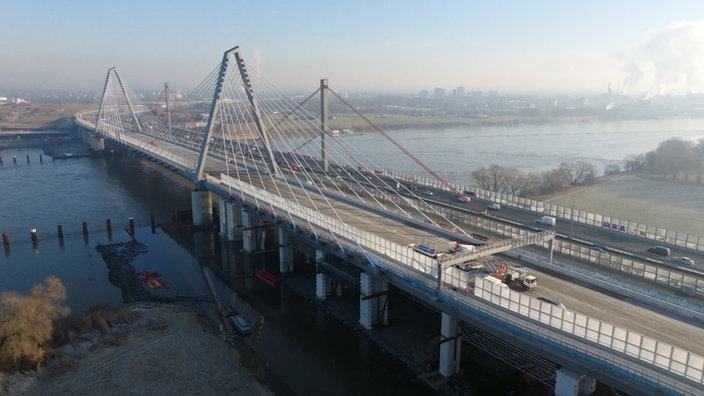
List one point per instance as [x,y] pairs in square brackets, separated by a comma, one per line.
[455,152]
[43,194]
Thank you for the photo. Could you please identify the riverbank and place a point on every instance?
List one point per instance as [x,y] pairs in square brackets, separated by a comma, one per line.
[169,350]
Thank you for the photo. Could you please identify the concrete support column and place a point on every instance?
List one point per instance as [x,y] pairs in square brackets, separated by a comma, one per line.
[222,216]
[373,300]
[202,207]
[450,346]
[550,247]
[234,222]
[250,229]
[285,251]
[323,284]
[569,383]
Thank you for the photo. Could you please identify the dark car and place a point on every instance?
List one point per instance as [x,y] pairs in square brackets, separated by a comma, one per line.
[551,301]
[470,193]
[659,250]
[599,249]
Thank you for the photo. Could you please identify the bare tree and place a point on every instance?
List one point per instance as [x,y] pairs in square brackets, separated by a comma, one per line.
[27,324]
[578,172]
[634,162]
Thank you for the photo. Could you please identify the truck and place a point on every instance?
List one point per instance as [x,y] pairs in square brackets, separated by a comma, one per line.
[459,247]
[546,220]
[520,277]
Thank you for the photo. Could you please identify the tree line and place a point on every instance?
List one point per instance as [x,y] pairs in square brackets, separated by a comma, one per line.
[674,158]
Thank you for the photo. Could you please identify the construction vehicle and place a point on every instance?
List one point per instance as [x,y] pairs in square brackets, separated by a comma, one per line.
[520,277]
[459,247]
[512,276]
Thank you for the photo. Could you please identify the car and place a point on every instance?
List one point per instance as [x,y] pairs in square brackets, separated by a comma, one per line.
[551,301]
[470,193]
[463,198]
[427,192]
[659,250]
[494,206]
[682,260]
[598,249]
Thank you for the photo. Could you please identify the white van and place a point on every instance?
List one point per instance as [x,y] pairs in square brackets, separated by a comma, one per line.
[546,220]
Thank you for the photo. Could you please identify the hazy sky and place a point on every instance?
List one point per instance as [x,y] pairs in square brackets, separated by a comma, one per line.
[639,46]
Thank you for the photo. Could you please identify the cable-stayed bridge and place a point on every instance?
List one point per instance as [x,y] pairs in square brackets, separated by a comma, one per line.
[272,161]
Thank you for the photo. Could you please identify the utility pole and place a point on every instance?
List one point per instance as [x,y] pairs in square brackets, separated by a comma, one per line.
[572,215]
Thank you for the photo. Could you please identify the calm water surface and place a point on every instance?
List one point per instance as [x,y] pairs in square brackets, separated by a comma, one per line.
[455,152]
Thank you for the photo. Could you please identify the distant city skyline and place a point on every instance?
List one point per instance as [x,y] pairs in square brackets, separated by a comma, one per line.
[545,47]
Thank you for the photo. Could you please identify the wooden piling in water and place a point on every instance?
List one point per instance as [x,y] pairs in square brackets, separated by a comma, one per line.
[33,234]
[108,224]
[6,239]
[85,228]
[60,231]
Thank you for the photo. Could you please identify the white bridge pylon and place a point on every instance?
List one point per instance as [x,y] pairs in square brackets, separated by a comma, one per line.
[121,110]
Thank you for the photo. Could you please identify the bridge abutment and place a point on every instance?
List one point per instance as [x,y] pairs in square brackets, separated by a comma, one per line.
[201,205]
[450,346]
[569,383]
[373,300]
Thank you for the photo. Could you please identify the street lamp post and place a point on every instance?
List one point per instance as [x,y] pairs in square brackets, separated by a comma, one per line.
[572,215]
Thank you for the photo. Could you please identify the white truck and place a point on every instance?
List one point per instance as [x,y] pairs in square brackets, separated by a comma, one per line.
[459,247]
[520,277]
[546,220]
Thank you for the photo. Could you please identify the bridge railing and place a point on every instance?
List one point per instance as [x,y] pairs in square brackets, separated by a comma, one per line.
[634,345]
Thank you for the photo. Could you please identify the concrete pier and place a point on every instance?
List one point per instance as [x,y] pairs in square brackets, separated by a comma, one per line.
[201,204]
[373,300]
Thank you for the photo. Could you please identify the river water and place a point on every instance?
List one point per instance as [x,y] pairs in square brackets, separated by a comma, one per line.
[455,152]
[301,350]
